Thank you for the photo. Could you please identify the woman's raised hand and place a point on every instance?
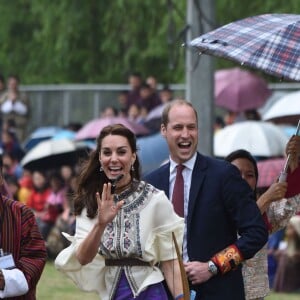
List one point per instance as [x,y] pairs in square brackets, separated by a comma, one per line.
[107,208]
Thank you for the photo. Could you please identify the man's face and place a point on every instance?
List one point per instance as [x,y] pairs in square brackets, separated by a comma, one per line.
[181,133]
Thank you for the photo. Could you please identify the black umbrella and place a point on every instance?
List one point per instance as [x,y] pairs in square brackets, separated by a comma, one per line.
[53,153]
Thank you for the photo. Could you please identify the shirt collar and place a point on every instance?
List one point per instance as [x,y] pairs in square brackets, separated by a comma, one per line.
[188,164]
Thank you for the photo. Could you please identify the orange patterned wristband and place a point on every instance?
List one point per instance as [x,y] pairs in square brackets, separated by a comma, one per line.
[227,259]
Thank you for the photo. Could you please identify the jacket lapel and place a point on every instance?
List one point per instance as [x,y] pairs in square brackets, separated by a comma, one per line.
[198,175]
[164,179]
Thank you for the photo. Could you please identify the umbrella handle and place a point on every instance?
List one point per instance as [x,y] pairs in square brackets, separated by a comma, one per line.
[298,128]
[283,174]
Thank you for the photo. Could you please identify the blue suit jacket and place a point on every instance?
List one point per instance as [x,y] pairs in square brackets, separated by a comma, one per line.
[221,204]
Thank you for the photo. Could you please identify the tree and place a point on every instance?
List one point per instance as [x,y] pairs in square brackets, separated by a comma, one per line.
[86,41]
[98,41]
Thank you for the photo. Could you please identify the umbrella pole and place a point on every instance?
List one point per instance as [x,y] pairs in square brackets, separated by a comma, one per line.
[283,174]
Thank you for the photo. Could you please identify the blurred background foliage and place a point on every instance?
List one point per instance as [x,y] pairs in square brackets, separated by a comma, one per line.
[98,41]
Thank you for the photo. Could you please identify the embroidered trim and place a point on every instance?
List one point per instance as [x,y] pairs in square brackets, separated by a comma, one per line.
[118,239]
[228,259]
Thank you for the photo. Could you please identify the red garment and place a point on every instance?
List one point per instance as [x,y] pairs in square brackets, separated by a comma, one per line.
[37,199]
[21,237]
[26,181]
[268,224]
[293,180]
[54,205]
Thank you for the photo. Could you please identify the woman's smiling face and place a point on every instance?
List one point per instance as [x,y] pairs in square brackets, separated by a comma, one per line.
[116,157]
[247,171]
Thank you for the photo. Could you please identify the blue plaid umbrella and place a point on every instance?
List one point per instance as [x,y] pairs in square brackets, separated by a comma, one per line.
[269,42]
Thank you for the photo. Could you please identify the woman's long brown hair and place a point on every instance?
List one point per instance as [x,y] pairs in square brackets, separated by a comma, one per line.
[91,180]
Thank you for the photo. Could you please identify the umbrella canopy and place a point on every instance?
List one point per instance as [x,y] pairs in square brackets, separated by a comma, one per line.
[267,42]
[261,139]
[285,110]
[156,112]
[64,134]
[51,154]
[269,171]
[153,119]
[289,130]
[40,134]
[239,90]
[152,151]
[275,96]
[92,129]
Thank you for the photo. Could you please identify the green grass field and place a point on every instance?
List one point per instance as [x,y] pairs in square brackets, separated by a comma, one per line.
[54,285]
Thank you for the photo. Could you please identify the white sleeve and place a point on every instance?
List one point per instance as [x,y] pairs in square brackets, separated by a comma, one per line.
[6,107]
[20,108]
[15,283]
[90,277]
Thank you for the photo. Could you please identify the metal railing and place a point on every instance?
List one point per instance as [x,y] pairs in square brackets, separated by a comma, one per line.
[62,104]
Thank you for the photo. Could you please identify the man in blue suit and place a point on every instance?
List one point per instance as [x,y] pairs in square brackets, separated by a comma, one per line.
[223,223]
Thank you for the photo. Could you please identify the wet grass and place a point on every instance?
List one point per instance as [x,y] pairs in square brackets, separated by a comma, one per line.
[54,285]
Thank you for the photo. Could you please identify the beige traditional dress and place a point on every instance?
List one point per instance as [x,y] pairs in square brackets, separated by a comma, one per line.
[142,229]
[255,270]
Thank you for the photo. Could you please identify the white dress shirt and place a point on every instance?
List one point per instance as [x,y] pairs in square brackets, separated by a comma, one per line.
[187,178]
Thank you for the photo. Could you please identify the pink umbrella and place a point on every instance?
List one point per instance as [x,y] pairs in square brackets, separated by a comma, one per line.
[269,171]
[239,90]
[92,129]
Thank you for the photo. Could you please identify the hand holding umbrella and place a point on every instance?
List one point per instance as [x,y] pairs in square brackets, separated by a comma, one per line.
[283,174]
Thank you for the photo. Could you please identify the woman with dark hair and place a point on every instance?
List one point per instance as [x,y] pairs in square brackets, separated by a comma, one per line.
[276,211]
[122,248]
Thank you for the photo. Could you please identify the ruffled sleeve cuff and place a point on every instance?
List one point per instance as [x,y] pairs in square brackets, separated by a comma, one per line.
[160,243]
[88,277]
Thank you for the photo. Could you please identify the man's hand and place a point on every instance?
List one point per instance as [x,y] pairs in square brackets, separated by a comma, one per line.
[197,272]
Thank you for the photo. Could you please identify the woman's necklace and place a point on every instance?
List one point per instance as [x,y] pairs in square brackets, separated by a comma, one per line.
[120,189]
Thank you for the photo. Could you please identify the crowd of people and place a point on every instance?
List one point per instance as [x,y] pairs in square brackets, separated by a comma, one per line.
[226,222]
[141,100]
[48,192]
[117,230]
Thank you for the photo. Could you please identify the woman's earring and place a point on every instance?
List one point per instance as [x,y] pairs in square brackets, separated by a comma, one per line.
[101,169]
[132,168]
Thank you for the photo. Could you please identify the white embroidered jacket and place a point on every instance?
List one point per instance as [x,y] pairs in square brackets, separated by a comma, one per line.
[142,229]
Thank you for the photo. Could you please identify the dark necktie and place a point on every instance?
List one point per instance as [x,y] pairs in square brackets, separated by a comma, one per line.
[178,192]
